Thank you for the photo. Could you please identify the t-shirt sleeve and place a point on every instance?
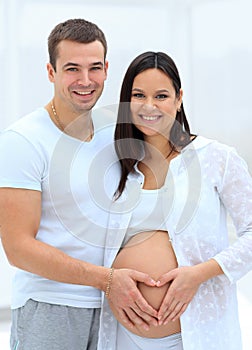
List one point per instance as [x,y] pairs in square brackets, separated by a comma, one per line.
[21,165]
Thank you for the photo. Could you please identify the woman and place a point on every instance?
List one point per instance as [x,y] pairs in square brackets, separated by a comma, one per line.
[172,200]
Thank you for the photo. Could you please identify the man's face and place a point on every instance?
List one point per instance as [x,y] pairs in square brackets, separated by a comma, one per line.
[80,74]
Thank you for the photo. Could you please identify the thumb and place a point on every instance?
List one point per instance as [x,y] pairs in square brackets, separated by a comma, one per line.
[165,278]
[144,278]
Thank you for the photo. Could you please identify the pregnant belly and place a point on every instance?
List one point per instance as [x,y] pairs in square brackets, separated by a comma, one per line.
[152,253]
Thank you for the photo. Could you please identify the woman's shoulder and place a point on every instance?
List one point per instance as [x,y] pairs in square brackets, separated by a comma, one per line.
[209,144]
[211,152]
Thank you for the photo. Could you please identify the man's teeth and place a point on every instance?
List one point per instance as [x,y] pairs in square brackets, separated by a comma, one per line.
[145,117]
[83,92]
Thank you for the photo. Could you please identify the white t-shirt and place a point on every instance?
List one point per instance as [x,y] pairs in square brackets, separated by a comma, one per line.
[36,155]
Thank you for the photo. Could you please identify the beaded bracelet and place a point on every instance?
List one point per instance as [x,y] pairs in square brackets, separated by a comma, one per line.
[108,287]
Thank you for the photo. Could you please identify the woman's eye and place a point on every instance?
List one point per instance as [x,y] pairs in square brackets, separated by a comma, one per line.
[138,95]
[161,97]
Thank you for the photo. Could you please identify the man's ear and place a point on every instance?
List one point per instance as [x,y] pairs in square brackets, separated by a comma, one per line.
[50,72]
[106,68]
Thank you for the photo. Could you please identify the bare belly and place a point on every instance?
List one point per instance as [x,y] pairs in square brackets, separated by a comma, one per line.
[152,253]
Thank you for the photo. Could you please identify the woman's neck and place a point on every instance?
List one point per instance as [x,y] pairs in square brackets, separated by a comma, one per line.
[157,147]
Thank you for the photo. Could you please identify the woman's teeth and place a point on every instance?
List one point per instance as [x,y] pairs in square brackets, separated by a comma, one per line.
[145,117]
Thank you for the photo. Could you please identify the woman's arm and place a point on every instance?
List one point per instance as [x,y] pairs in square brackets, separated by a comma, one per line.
[235,191]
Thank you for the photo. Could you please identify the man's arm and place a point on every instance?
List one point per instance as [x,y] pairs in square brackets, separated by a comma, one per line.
[20,213]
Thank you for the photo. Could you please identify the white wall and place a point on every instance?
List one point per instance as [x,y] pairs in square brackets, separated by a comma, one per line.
[209,40]
[221,56]
[130,26]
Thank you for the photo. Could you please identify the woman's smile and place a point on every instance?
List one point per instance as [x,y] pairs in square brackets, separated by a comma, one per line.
[150,118]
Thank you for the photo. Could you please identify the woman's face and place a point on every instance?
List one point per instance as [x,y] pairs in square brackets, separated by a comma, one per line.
[154,103]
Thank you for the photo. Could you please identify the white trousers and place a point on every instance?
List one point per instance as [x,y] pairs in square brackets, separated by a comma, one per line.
[130,341]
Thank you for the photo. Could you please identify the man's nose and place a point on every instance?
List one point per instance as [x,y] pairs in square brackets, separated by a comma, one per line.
[84,78]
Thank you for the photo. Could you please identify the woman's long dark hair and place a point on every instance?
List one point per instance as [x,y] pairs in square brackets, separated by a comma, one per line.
[127,136]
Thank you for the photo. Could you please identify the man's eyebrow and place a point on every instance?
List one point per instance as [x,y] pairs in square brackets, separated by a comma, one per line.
[68,64]
[72,64]
[99,63]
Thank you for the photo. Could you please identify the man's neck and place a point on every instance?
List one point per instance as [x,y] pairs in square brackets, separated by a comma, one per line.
[77,126]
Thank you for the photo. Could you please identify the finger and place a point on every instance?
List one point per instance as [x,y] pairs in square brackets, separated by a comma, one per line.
[151,320]
[144,278]
[168,308]
[165,307]
[184,307]
[167,277]
[125,319]
[145,308]
[135,319]
[174,314]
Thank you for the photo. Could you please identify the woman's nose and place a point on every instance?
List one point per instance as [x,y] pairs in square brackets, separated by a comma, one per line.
[149,104]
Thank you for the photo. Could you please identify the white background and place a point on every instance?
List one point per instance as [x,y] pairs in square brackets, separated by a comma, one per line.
[210,41]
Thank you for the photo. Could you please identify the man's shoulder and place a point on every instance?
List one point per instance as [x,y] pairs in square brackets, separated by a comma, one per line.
[35,128]
[29,121]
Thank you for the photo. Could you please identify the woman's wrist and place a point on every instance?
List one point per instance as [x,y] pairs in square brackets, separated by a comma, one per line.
[208,269]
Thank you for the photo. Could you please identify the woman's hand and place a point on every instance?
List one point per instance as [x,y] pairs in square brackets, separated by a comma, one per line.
[129,303]
[185,282]
[184,285]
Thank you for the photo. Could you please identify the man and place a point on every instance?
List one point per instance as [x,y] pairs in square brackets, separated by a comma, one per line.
[53,225]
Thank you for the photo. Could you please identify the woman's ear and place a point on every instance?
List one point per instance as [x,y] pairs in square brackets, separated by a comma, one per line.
[180,99]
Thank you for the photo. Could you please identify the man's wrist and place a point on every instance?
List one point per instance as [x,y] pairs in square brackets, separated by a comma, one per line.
[109,282]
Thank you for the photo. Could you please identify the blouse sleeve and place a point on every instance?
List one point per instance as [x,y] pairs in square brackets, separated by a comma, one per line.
[236,195]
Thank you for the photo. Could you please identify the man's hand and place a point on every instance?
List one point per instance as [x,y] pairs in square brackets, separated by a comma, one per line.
[129,303]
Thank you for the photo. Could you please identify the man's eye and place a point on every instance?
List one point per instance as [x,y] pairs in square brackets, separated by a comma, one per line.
[96,68]
[72,69]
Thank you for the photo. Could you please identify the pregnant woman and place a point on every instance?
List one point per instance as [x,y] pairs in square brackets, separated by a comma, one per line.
[168,219]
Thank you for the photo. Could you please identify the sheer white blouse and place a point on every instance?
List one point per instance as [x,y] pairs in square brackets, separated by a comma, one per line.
[207,181]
